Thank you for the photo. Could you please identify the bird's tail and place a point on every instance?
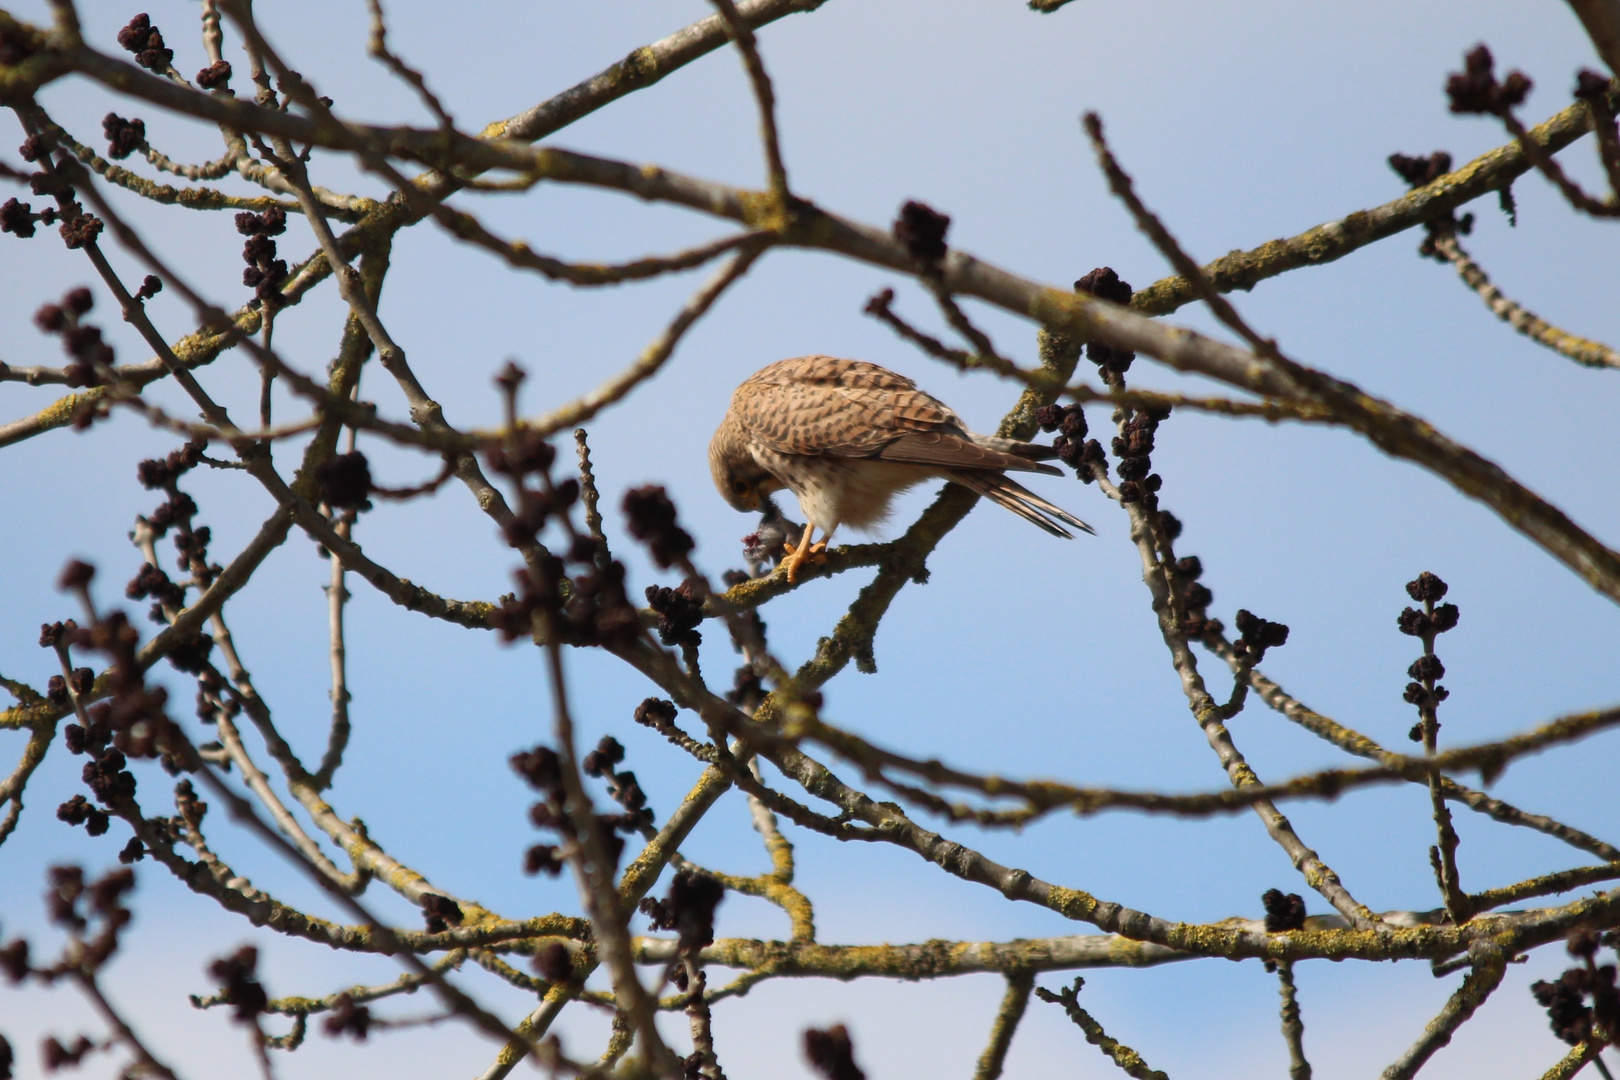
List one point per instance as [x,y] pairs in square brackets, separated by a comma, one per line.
[1005,491]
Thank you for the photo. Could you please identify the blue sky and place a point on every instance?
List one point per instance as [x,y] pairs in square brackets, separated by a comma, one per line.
[1023,654]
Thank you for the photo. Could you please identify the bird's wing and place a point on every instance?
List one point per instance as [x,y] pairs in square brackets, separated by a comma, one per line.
[824,406]
[946,450]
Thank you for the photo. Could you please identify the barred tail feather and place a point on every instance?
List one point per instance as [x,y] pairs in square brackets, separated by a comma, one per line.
[1009,493]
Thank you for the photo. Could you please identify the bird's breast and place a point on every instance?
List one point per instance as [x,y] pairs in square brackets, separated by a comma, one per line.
[854,492]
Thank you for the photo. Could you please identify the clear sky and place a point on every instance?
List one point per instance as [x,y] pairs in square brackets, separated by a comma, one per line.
[1024,654]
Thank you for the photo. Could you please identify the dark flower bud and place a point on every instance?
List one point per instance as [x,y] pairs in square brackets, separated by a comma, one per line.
[652,520]
[14,961]
[80,231]
[1590,87]
[1048,417]
[1283,912]
[540,767]
[1426,587]
[626,791]
[1427,668]
[133,36]
[155,57]
[1259,634]
[1515,88]
[241,990]
[191,655]
[124,137]
[1473,89]
[1093,462]
[1419,171]
[347,1018]
[1567,1013]
[1582,943]
[607,754]
[1133,468]
[17,218]
[553,962]
[215,76]
[1105,284]
[1074,423]
[689,908]
[543,859]
[1413,622]
[1189,568]
[1445,618]
[654,712]
[440,909]
[511,377]
[832,1054]
[79,811]
[921,231]
[54,1056]
[50,318]
[75,575]
[345,481]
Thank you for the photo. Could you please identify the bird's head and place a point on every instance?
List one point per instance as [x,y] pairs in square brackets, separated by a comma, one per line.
[743,483]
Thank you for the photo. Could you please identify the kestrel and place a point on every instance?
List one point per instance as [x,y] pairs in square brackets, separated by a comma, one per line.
[846,437]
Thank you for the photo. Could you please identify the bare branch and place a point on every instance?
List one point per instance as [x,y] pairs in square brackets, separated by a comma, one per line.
[1293,1028]
[1127,1059]
[738,29]
[1490,963]
[1013,1003]
[1581,350]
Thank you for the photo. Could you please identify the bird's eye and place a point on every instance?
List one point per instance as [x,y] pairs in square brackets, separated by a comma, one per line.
[740,487]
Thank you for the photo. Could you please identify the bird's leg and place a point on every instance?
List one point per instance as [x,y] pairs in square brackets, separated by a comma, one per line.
[805,551]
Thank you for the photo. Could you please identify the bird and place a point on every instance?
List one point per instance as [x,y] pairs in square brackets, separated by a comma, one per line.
[847,436]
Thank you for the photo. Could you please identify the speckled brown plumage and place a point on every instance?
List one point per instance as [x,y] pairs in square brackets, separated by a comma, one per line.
[846,436]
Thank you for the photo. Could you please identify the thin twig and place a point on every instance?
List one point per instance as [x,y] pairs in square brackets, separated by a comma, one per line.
[1573,1062]
[1120,1054]
[1573,192]
[1013,1003]
[337,597]
[740,33]
[1356,743]
[658,351]
[1490,963]
[1293,1027]
[377,46]
[121,1030]
[594,869]
[1581,350]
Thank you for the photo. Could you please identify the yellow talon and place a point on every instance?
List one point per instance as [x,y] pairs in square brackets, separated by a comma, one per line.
[804,552]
